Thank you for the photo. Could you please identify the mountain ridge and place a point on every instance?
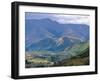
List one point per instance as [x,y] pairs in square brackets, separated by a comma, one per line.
[45,34]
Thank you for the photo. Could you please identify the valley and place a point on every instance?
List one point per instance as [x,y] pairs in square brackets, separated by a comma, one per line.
[49,43]
[73,56]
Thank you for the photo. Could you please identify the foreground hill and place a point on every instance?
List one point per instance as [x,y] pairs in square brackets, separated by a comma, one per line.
[81,59]
[76,55]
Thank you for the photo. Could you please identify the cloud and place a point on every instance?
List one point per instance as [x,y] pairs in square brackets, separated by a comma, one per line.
[62,19]
[75,19]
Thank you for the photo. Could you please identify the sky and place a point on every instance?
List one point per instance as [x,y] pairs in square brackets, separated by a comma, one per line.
[60,18]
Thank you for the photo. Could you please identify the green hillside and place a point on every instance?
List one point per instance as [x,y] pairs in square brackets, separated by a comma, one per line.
[79,55]
[76,55]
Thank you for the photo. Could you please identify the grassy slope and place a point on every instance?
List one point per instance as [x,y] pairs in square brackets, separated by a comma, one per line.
[79,55]
[81,59]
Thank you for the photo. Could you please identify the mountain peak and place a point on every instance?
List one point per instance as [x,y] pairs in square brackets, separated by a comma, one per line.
[47,34]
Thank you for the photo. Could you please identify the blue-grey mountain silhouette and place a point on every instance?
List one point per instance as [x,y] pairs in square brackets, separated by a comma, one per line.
[46,34]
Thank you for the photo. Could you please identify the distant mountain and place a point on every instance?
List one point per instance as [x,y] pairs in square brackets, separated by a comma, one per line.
[46,34]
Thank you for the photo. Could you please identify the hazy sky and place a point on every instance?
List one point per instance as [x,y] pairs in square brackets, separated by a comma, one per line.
[60,18]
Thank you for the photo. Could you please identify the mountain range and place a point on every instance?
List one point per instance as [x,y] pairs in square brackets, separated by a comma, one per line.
[46,34]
